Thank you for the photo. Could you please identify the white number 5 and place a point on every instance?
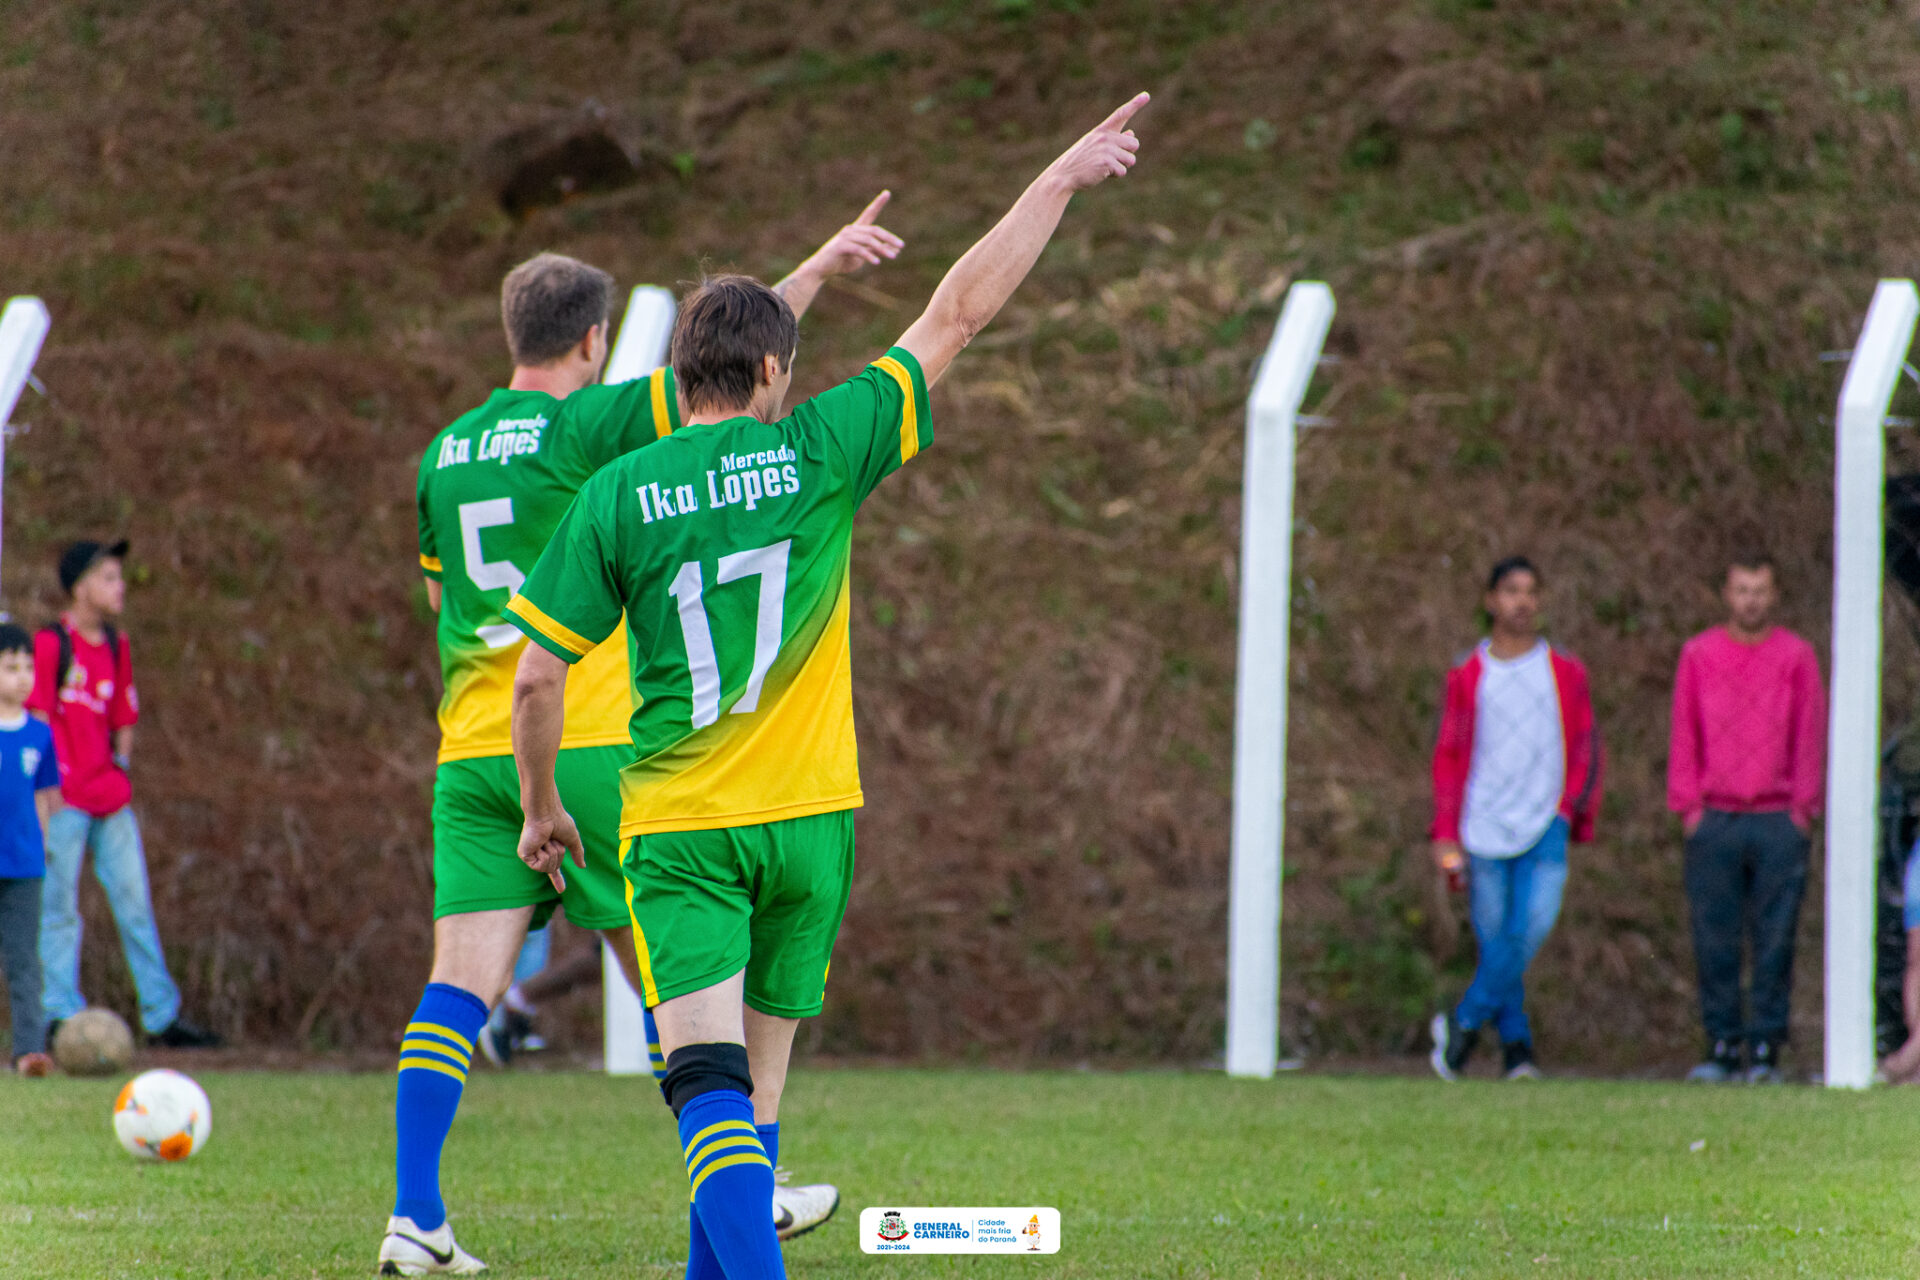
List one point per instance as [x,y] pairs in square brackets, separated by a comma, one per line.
[489,575]
[769,564]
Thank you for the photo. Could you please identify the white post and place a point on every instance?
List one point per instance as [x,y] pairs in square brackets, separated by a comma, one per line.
[1853,729]
[638,351]
[23,327]
[626,1027]
[642,345]
[1260,704]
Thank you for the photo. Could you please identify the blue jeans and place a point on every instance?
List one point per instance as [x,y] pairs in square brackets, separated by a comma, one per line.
[120,865]
[1515,902]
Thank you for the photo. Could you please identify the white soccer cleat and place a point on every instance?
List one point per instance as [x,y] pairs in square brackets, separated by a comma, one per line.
[409,1251]
[798,1210]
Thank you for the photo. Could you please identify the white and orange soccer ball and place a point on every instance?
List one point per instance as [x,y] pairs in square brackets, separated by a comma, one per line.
[162,1115]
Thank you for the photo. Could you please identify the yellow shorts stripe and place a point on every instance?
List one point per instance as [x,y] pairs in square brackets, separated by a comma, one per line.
[446,1051]
[745,1157]
[650,993]
[723,1126]
[909,415]
[445,1033]
[723,1143]
[430,563]
[431,1064]
[662,420]
[558,632]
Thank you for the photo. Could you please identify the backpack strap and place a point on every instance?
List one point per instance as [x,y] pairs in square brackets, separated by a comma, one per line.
[65,661]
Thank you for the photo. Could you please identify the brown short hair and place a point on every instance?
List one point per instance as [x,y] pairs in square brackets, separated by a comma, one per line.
[549,303]
[726,327]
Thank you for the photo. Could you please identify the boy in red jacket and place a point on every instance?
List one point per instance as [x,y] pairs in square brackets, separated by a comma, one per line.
[1516,774]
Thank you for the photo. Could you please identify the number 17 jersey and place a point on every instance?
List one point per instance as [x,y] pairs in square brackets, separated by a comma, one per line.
[492,487]
[728,547]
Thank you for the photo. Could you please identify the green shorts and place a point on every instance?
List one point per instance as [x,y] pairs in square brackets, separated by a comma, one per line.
[767,899]
[476,839]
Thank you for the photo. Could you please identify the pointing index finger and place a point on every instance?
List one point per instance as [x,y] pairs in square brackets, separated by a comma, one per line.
[1118,120]
[872,211]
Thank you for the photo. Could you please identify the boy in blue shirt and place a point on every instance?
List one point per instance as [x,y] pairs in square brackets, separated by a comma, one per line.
[29,793]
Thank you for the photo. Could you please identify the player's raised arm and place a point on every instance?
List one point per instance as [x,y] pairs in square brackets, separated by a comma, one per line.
[861,243]
[978,285]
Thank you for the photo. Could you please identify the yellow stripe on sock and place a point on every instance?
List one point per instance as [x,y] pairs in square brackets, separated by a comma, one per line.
[721,1127]
[432,1064]
[446,1051]
[745,1157]
[722,1143]
[448,1033]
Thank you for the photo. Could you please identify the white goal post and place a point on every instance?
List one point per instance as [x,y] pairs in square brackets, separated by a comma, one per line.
[638,351]
[23,327]
[1260,695]
[1853,727]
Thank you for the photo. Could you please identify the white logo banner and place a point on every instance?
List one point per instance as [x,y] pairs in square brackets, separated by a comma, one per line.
[1004,1230]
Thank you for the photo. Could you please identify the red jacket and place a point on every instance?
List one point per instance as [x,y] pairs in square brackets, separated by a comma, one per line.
[1453,752]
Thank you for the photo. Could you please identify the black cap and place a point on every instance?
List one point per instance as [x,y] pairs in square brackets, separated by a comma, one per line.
[82,556]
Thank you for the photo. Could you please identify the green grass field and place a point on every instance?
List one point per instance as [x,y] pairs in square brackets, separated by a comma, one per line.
[1155,1174]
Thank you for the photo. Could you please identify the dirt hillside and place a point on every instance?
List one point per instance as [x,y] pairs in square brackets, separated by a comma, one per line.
[1588,254]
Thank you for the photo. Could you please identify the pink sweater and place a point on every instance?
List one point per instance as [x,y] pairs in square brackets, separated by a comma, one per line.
[1749,726]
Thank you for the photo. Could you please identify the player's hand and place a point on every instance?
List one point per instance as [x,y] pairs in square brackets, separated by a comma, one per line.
[545,842]
[1107,152]
[861,243]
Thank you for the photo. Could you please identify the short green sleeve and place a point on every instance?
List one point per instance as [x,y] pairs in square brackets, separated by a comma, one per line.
[571,600]
[429,548]
[608,421]
[878,419]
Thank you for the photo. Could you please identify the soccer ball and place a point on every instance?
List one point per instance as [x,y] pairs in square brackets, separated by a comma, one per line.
[93,1042]
[162,1115]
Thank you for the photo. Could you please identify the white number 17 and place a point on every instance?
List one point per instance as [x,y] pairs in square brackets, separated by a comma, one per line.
[769,564]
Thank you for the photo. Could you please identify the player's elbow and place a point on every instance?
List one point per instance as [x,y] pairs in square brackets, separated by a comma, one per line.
[539,676]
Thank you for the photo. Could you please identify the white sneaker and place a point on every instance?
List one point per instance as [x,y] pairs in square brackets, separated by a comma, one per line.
[409,1251]
[798,1210]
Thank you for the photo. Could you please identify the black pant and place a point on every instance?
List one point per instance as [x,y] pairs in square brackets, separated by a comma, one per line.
[20,952]
[1746,874]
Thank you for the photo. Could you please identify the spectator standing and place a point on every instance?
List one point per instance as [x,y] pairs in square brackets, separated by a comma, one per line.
[29,793]
[1746,774]
[1516,774]
[83,687]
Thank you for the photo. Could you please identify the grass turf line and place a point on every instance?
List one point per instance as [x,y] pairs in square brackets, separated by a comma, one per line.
[1155,1174]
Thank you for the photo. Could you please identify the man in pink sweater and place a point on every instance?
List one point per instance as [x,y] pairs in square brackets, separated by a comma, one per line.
[1746,775]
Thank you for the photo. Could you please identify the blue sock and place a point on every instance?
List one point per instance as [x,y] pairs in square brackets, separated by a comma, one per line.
[434,1055]
[732,1185]
[701,1264]
[655,1059]
[770,1139]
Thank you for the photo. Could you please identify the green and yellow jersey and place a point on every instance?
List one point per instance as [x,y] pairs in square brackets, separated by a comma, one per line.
[727,547]
[493,486]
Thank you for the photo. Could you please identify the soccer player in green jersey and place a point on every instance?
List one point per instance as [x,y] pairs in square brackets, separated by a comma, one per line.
[492,487]
[726,549]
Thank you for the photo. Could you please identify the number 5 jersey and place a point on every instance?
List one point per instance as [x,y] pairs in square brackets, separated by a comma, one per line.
[493,486]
